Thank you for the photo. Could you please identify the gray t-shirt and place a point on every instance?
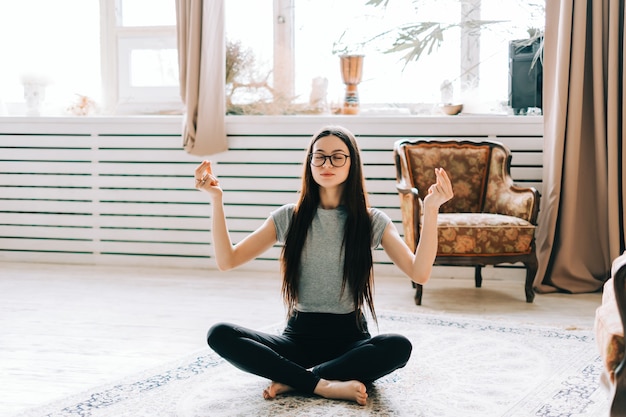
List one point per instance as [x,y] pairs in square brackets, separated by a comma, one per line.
[321,272]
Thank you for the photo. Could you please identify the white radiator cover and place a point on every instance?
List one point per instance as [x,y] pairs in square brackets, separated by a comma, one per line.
[120,190]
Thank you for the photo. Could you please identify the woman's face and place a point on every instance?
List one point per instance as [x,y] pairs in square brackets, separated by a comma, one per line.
[327,175]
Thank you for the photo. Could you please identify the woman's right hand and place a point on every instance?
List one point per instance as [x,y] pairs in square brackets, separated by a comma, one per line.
[206,180]
[227,255]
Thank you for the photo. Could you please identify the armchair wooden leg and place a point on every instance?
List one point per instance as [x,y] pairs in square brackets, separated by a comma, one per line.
[478,277]
[418,293]
[531,271]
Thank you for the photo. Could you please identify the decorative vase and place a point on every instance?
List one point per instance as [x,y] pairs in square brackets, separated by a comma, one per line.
[34,95]
[351,73]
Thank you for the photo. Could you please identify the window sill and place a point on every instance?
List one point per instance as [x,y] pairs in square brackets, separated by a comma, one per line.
[362,125]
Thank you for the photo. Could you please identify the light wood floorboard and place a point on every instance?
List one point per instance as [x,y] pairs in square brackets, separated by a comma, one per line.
[65,329]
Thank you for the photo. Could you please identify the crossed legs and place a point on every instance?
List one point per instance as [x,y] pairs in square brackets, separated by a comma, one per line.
[325,367]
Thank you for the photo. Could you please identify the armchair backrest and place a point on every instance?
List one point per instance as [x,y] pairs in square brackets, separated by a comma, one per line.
[478,170]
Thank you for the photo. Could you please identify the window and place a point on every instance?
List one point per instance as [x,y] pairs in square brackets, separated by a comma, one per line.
[472,63]
[126,61]
[110,51]
[52,43]
[142,62]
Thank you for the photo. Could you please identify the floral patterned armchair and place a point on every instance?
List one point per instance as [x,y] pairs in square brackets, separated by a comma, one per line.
[489,220]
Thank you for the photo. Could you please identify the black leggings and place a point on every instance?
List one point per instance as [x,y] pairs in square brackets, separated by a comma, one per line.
[312,346]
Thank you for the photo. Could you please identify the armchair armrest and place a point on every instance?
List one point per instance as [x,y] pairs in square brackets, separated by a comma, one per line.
[410,202]
[513,201]
[503,196]
[411,207]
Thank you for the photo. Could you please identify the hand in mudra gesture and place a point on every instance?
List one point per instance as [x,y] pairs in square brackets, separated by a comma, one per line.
[206,180]
[440,191]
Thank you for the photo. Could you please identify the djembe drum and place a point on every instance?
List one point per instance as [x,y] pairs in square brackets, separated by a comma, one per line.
[351,72]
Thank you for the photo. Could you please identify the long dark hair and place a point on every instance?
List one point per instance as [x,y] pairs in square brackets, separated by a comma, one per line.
[357,237]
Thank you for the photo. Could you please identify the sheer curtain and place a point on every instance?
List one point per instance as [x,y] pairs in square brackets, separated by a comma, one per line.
[202,62]
[581,223]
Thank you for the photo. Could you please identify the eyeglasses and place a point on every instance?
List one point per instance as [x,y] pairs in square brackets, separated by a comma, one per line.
[337,159]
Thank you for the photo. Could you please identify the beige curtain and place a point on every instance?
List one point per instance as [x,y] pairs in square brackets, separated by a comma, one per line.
[202,65]
[581,222]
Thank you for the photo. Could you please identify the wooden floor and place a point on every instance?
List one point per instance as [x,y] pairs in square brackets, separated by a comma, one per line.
[65,329]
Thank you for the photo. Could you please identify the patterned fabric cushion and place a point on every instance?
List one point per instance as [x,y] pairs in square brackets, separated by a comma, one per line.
[480,233]
[466,166]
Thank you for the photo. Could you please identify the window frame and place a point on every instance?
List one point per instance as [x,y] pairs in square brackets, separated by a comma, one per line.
[117,43]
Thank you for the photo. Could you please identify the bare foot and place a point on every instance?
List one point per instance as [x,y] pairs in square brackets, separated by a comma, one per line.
[342,390]
[274,389]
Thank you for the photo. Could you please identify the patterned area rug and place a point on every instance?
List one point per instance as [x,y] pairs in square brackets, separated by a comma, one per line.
[459,367]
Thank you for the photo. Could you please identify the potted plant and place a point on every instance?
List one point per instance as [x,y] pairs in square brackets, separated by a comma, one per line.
[418,38]
[526,72]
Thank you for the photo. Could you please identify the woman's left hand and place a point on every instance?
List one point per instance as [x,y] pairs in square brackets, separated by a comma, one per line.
[440,192]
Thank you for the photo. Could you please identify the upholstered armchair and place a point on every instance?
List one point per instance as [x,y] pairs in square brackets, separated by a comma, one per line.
[489,220]
[609,335]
